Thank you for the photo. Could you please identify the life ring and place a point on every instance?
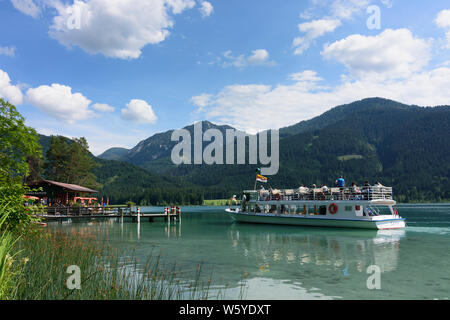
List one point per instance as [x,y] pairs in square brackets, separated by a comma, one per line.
[333,208]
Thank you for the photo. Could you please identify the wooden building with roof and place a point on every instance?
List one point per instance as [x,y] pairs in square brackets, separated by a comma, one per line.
[54,192]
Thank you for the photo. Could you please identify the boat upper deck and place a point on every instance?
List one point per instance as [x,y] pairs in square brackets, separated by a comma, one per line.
[368,193]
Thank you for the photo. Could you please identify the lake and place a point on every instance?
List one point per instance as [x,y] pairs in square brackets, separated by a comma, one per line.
[292,262]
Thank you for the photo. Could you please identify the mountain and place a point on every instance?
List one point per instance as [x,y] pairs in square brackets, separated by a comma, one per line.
[341,112]
[375,139]
[154,152]
[405,146]
[114,154]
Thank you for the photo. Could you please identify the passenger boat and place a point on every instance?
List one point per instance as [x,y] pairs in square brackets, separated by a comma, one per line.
[371,208]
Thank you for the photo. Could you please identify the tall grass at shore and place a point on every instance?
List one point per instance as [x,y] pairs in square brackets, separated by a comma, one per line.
[105,274]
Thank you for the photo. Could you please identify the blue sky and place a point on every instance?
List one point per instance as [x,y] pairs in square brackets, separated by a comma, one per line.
[118,71]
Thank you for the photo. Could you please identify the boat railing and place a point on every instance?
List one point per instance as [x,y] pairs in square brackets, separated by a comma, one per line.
[330,194]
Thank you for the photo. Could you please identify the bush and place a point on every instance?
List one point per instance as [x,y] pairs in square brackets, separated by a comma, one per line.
[16,215]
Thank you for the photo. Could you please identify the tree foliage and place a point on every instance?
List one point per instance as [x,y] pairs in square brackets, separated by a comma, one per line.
[70,161]
[18,144]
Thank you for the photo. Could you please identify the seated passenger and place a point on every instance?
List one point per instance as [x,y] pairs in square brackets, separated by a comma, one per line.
[378,184]
[355,188]
[356,192]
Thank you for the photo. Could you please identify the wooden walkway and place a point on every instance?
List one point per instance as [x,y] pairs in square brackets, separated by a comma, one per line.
[64,213]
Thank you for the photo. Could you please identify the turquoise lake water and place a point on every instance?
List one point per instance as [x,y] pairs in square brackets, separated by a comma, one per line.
[291,262]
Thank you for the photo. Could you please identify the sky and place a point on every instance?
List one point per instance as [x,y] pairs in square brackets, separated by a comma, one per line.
[119,71]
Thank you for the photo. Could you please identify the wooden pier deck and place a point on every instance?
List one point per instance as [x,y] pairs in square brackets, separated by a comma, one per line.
[64,213]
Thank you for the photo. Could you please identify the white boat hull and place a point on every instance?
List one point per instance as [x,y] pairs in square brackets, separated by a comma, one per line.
[379,223]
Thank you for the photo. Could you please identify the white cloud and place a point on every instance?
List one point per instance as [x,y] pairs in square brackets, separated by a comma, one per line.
[338,11]
[257,107]
[8,92]
[115,28]
[201,101]
[102,107]
[259,57]
[58,101]
[387,3]
[392,53]
[8,51]
[139,111]
[313,30]
[27,7]
[443,21]
[206,9]
[345,9]
[178,6]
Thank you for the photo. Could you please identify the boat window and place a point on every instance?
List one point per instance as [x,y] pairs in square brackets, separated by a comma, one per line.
[348,208]
[292,209]
[301,209]
[273,209]
[257,208]
[323,210]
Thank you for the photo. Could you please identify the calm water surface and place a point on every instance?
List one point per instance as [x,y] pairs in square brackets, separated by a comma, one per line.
[291,262]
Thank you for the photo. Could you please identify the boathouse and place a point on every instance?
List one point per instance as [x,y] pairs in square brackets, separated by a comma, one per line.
[54,192]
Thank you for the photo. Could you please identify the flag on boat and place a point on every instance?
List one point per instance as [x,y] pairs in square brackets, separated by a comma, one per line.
[261,178]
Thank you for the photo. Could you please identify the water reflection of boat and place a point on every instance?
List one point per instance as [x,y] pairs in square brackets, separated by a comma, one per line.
[336,248]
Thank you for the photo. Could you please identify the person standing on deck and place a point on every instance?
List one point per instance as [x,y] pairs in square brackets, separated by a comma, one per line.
[340,183]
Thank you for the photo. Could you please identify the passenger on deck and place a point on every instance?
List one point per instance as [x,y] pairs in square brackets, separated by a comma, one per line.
[356,192]
[340,182]
[303,188]
[366,189]
[321,194]
[263,194]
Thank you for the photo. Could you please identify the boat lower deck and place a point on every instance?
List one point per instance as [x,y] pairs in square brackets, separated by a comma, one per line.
[379,222]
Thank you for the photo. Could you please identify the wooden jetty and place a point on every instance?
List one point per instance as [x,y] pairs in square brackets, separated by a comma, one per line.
[62,213]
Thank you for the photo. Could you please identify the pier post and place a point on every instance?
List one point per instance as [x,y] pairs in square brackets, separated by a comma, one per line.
[138,215]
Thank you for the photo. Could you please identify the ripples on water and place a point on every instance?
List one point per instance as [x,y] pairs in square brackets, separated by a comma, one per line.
[289,262]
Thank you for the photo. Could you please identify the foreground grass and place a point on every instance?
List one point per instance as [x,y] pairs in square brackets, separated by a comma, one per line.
[105,274]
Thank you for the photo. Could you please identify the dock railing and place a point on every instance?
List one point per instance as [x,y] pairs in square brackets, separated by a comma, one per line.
[303,193]
[60,210]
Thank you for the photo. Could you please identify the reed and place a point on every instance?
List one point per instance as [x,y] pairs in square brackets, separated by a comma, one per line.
[105,273]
